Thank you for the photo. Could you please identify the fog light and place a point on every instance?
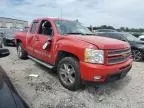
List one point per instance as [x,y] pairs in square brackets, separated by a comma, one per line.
[97,77]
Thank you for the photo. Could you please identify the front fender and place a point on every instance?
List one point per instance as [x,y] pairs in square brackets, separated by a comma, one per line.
[74,47]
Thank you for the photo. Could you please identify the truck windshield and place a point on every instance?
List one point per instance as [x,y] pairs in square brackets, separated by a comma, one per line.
[71,27]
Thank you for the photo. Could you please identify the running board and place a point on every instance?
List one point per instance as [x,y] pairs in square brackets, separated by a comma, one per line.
[40,62]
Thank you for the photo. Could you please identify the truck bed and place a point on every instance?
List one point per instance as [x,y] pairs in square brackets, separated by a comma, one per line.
[21,36]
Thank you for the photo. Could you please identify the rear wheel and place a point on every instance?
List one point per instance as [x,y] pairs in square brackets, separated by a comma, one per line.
[137,55]
[22,54]
[69,73]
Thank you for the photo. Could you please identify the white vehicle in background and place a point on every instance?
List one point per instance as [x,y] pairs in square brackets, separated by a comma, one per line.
[141,37]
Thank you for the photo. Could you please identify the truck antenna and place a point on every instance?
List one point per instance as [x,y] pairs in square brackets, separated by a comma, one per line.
[61,12]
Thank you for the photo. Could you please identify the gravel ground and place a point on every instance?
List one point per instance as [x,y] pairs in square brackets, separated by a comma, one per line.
[45,91]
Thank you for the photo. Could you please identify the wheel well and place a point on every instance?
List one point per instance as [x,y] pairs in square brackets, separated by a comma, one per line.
[62,54]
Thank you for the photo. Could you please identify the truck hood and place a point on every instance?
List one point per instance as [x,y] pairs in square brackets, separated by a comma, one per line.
[103,42]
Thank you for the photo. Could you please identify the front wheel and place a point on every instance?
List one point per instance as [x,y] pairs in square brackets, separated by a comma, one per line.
[137,55]
[69,73]
[21,52]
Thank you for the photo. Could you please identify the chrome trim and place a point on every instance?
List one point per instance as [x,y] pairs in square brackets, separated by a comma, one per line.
[122,52]
[118,62]
[118,56]
[42,63]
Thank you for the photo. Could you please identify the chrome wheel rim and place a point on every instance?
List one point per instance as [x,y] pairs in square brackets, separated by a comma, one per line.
[19,51]
[136,54]
[67,74]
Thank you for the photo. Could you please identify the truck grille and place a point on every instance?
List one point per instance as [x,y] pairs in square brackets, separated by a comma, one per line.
[118,56]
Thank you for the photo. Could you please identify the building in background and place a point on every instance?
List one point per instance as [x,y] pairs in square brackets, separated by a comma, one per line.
[12,23]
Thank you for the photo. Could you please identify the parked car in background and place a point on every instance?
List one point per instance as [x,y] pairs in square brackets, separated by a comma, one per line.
[105,30]
[141,37]
[136,34]
[137,46]
[8,38]
[74,51]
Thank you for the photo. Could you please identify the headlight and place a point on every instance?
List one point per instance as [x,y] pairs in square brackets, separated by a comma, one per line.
[94,56]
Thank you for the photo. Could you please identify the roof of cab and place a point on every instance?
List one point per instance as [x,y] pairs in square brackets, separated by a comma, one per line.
[49,18]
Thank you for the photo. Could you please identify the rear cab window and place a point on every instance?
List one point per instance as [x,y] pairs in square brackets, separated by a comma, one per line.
[34,27]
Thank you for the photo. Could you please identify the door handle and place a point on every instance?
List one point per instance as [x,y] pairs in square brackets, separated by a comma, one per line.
[46,45]
[36,39]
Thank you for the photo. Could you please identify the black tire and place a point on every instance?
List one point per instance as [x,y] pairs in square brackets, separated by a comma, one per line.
[22,54]
[137,55]
[73,65]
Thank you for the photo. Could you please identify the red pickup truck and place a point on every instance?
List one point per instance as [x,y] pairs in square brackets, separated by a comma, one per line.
[74,51]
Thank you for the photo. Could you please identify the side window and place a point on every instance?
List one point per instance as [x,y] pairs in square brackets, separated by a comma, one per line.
[34,27]
[45,28]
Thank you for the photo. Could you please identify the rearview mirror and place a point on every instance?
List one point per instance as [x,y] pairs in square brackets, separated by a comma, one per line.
[4,52]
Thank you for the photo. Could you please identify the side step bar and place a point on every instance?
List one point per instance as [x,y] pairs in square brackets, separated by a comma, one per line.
[40,62]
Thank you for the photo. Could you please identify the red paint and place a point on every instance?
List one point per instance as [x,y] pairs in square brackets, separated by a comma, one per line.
[74,44]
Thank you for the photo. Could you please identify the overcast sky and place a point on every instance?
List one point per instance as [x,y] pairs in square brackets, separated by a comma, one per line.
[117,13]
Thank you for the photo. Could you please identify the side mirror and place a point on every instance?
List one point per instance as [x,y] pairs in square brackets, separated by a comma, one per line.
[46,45]
[4,52]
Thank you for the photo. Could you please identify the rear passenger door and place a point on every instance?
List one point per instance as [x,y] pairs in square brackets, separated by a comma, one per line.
[30,39]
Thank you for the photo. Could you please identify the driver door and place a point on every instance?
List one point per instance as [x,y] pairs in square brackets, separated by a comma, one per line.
[44,42]
[30,39]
